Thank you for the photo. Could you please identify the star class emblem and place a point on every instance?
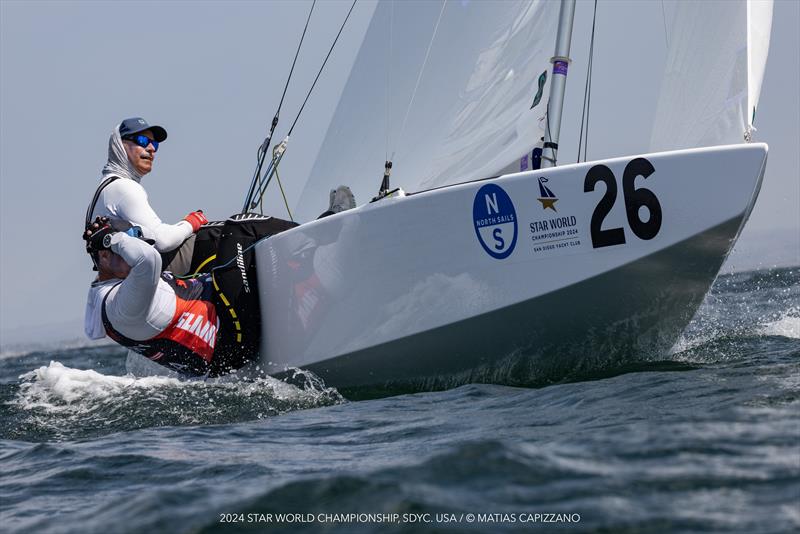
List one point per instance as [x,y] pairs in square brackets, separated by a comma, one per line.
[546,197]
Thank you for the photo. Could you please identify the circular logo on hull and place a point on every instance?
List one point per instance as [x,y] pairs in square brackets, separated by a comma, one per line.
[495,221]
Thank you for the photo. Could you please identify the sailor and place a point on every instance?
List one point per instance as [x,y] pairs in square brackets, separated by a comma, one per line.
[183,324]
[120,196]
[341,199]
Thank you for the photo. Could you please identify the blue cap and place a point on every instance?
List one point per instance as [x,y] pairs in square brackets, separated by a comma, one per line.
[138,124]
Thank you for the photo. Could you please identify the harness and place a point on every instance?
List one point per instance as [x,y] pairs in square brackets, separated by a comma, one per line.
[100,188]
[117,224]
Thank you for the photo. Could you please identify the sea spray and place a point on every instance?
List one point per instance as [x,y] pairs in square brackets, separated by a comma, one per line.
[64,402]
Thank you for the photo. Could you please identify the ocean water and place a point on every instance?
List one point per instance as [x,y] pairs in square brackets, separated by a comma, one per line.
[704,439]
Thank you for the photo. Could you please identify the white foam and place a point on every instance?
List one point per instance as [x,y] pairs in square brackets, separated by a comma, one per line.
[58,389]
[55,385]
[786,326]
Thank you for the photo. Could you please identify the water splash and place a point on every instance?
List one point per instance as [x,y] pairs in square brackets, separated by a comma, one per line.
[60,402]
[740,309]
[786,326]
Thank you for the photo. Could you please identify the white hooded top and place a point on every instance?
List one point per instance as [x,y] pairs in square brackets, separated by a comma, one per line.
[125,201]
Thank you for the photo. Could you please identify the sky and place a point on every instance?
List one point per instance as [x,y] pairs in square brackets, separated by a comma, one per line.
[212,74]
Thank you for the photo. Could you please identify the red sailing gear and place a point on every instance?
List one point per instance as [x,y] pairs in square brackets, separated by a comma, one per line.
[187,344]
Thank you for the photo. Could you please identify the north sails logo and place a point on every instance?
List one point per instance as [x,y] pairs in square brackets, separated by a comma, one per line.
[546,197]
[240,263]
[495,221]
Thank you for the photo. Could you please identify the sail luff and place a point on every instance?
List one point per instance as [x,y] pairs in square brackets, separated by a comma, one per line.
[759,29]
[712,80]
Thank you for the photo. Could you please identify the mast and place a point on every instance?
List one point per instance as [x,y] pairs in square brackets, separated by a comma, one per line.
[558,83]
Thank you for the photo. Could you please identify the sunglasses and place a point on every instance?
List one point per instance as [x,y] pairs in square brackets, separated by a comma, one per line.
[142,140]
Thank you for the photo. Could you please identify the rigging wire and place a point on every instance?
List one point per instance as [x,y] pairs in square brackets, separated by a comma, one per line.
[283,194]
[322,67]
[664,18]
[294,61]
[388,71]
[262,150]
[587,93]
[387,168]
[278,151]
[419,76]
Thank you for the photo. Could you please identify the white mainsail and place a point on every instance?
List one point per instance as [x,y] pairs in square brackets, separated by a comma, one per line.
[472,70]
[712,80]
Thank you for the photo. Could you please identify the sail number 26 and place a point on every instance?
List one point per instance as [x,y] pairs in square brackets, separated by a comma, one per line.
[634,199]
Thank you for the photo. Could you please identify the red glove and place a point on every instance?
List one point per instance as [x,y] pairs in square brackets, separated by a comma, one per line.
[196,219]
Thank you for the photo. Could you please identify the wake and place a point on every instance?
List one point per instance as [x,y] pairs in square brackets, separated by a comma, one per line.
[68,403]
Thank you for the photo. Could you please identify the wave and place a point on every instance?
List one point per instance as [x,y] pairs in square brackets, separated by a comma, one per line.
[707,327]
[59,402]
[787,326]
[498,486]
[709,342]
[746,306]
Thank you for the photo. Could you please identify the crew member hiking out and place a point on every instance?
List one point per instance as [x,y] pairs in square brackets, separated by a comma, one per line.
[203,326]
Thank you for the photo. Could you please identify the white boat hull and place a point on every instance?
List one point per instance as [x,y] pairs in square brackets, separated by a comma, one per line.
[505,280]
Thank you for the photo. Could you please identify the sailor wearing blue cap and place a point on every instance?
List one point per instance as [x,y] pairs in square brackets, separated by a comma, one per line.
[120,196]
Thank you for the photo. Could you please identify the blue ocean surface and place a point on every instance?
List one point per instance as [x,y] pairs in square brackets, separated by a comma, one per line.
[705,438]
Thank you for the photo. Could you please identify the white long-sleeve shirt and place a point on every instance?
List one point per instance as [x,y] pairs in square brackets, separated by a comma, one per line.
[142,305]
[126,200]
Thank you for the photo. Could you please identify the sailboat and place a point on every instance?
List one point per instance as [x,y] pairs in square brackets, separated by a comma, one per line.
[488,258]
[480,267]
